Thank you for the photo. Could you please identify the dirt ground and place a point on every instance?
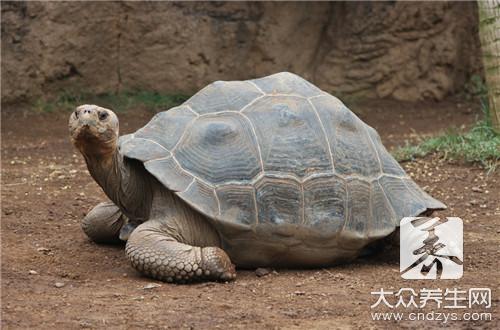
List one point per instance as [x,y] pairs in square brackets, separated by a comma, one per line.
[53,277]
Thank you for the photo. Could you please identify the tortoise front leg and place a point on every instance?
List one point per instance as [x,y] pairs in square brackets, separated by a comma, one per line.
[154,251]
[103,223]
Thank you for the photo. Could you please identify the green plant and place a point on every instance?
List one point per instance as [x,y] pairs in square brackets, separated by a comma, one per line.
[479,145]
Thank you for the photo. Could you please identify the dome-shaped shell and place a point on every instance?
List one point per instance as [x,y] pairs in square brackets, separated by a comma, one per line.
[280,152]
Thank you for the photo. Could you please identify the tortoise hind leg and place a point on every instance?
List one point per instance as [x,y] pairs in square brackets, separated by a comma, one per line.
[103,223]
[154,250]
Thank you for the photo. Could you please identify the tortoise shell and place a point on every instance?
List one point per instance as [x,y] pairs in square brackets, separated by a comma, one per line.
[278,151]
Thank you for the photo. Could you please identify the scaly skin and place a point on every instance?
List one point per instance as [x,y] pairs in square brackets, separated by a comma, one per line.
[103,223]
[160,256]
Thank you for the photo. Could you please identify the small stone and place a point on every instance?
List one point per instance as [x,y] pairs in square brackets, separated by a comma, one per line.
[299,293]
[150,286]
[59,284]
[477,189]
[43,249]
[33,272]
[262,272]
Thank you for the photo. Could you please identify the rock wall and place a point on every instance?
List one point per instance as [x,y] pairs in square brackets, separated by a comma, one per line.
[403,50]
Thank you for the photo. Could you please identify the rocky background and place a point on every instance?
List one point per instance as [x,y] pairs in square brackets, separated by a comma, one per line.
[402,50]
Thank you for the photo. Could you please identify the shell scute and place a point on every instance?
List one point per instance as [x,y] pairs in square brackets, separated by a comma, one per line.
[290,136]
[219,148]
[287,83]
[278,153]
[223,96]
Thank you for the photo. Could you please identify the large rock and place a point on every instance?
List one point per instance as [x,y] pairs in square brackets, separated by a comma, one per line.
[407,51]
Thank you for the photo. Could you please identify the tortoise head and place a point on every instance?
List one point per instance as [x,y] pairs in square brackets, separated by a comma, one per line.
[93,130]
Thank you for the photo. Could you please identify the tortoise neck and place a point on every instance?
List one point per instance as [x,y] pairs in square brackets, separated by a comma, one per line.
[105,169]
[124,182]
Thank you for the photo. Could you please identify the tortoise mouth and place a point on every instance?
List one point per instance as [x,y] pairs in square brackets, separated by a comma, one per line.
[90,139]
[82,132]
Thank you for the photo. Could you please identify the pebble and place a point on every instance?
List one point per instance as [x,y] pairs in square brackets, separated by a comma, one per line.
[262,272]
[33,272]
[43,250]
[150,286]
[477,189]
[59,284]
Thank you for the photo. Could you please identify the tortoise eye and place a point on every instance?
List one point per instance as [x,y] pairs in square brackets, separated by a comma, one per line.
[103,115]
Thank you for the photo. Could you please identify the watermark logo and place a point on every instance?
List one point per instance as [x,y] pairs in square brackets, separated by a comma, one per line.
[431,304]
[431,248]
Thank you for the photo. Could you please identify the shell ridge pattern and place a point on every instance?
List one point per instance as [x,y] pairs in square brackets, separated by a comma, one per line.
[218,113]
[370,224]
[254,195]
[152,141]
[291,138]
[411,190]
[220,148]
[252,128]
[191,109]
[316,96]
[298,179]
[188,126]
[257,87]
[188,186]
[372,144]
[251,103]
[218,202]
[286,95]
[190,173]
[161,158]
[324,132]
[346,206]
[391,208]
[303,203]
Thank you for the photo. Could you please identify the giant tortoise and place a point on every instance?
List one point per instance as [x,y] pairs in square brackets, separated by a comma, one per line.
[265,172]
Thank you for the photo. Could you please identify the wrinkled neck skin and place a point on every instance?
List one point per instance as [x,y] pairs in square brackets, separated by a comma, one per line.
[124,182]
[141,197]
